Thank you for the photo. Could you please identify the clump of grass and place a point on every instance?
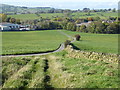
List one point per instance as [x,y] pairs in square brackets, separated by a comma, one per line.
[38,76]
[25,75]
[11,65]
[59,78]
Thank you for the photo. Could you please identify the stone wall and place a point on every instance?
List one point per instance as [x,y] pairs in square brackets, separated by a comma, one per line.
[109,58]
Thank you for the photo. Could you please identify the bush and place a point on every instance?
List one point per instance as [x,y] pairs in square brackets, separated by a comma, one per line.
[67,42]
[77,36]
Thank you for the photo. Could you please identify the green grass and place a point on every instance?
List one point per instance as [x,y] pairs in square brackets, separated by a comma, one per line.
[105,43]
[104,15]
[31,41]
[41,41]
[24,16]
[82,73]
[64,72]
[23,72]
[34,16]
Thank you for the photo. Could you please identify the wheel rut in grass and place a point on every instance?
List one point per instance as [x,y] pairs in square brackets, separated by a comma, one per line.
[47,77]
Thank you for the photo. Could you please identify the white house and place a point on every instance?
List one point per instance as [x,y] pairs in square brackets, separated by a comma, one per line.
[9,26]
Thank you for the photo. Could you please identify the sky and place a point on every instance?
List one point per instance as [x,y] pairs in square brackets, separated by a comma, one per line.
[65,4]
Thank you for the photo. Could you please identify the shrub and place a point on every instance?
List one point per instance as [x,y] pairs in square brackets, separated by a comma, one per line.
[67,42]
[77,36]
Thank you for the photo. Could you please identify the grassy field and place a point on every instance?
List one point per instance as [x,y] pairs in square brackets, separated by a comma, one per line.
[58,71]
[31,41]
[40,41]
[34,16]
[106,43]
[23,72]
[102,15]
[82,73]
[24,16]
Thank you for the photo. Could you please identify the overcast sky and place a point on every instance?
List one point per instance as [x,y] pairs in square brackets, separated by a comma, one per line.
[65,4]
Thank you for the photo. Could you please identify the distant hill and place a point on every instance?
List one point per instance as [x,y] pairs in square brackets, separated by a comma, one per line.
[10,9]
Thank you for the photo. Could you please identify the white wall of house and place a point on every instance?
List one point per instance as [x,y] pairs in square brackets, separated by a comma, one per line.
[5,28]
[9,26]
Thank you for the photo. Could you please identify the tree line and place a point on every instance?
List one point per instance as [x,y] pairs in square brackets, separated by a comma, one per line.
[96,25]
[68,23]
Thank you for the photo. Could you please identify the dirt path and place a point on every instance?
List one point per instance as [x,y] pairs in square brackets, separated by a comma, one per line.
[61,47]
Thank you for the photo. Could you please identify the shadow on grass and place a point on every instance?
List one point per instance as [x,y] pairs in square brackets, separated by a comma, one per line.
[74,47]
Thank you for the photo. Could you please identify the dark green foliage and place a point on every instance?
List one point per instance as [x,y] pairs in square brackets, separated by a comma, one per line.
[71,26]
[67,42]
[113,28]
[77,36]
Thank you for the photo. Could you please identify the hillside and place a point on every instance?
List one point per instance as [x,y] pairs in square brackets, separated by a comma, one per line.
[10,9]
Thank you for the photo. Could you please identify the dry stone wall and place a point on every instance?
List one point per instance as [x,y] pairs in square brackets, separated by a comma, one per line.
[109,58]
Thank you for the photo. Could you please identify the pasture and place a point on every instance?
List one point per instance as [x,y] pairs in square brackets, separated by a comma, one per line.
[41,41]
[34,16]
[58,70]
[31,41]
[102,15]
[105,43]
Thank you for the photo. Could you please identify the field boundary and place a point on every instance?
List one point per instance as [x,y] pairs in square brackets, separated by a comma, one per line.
[109,58]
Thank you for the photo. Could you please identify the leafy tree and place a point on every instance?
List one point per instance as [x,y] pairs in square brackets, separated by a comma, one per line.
[71,26]
[3,17]
[113,28]
[83,28]
[12,20]
[67,42]
[77,36]
[18,21]
[91,28]
[114,10]
[90,19]
[8,19]
[78,28]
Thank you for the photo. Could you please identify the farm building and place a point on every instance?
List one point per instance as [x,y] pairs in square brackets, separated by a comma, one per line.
[9,26]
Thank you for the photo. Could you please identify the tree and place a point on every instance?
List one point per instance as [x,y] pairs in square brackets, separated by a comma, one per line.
[90,19]
[18,21]
[12,20]
[83,28]
[114,10]
[3,17]
[86,9]
[8,19]
[67,42]
[71,26]
[77,36]
[113,28]
[91,28]
[99,27]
